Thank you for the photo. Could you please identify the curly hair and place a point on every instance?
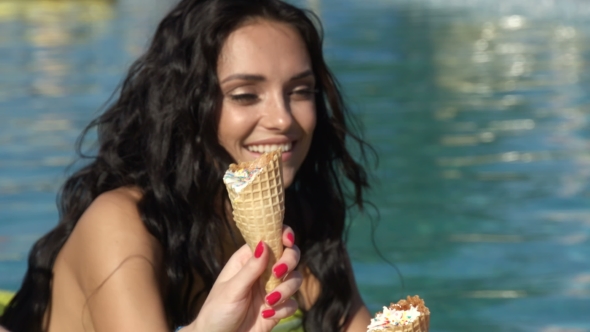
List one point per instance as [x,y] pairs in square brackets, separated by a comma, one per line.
[160,135]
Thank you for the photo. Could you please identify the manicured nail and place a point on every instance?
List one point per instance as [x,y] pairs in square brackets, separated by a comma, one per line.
[268,313]
[273,298]
[280,270]
[259,250]
[291,237]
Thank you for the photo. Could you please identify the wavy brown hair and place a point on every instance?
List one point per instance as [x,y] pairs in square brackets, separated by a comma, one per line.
[160,135]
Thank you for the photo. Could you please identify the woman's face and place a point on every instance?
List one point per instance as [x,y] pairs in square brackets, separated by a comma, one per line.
[268,94]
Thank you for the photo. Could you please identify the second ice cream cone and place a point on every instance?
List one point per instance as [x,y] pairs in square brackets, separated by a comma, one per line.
[420,325]
[407,315]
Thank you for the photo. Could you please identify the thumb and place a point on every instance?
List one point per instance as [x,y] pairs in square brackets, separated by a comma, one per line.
[242,282]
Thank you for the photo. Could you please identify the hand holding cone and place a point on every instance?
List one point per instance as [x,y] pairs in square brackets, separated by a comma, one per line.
[258,200]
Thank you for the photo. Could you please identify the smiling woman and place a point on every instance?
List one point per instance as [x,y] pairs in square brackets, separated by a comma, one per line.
[145,240]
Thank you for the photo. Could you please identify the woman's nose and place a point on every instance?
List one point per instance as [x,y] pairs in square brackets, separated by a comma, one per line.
[277,114]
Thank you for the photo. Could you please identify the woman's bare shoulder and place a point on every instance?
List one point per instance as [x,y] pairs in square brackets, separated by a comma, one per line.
[111,267]
[109,234]
[123,199]
[115,214]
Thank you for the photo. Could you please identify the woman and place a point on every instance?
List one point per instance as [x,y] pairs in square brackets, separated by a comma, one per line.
[146,241]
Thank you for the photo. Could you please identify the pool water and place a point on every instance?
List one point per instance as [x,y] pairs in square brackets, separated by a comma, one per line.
[478,110]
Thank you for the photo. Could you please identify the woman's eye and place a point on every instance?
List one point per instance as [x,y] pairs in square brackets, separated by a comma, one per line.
[304,93]
[244,97]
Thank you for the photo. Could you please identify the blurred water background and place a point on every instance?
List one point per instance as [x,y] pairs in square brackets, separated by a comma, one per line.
[478,109]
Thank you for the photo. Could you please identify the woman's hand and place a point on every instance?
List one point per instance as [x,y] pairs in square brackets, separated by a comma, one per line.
[238,303]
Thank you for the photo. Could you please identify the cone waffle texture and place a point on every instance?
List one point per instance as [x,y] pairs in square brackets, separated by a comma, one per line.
[259,209]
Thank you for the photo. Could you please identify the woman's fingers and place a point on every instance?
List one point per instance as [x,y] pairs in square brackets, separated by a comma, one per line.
[245,267]
[280,311]
[235,263]
[288,236]
[287,263]
[248,274]
[285,290]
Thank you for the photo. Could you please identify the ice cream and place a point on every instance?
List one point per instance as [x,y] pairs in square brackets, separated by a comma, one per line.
[410,315]
[240,178]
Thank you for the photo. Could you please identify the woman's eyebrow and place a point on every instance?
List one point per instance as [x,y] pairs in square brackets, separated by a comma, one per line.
[260,78]
[302,75]
[245,77]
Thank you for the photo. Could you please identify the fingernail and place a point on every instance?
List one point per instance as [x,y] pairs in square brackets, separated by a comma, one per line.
[268,313]
[280,270]
[259,250]
[291,238]
[273,298]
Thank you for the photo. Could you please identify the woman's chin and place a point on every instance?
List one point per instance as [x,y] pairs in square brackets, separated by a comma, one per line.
[288,176]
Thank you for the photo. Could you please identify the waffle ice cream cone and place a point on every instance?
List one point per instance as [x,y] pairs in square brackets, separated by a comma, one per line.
[409,315]
[258,200]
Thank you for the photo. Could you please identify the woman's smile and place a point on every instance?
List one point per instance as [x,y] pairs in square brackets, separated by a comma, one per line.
[272,144]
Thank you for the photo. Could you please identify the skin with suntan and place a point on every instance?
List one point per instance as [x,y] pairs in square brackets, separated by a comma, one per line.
[108,277]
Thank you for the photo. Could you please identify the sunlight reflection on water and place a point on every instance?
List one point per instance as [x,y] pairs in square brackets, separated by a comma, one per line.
[481,121]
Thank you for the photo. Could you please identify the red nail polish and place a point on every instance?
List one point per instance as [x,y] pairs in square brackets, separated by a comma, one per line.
[291,238]
[268,313]
[280,270]
[273,298]
[259,250]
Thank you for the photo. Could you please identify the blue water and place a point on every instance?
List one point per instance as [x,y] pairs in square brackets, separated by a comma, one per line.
[478,110]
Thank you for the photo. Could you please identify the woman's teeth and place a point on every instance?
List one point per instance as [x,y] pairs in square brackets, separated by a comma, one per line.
[271,147]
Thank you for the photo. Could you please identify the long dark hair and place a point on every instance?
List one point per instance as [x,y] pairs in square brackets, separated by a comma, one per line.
[160,135]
